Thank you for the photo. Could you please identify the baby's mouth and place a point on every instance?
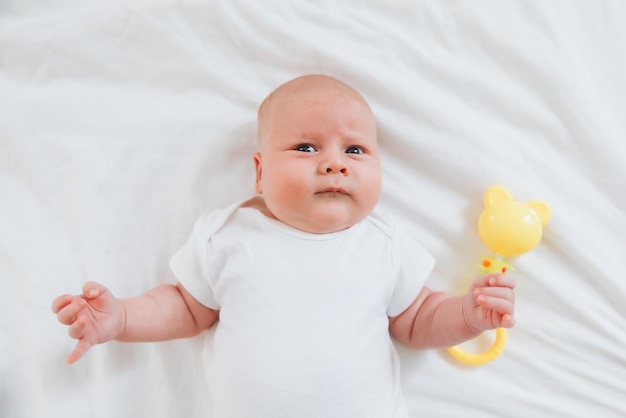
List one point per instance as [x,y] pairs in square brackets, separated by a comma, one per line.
[332,191]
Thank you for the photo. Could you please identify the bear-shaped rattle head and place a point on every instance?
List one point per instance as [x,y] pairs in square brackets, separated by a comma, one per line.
[508,227]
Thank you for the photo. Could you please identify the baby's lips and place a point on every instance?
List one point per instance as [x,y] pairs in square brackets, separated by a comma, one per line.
[333,190]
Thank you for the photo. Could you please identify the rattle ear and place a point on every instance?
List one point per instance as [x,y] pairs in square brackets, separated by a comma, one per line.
[497,194]
[542,210]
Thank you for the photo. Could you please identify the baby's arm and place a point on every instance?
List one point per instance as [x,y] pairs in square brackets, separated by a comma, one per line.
[438,319]
[164,313]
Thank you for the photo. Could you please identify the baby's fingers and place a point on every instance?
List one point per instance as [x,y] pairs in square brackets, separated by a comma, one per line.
[81,348]
[68,312]
[60,302]
[506,293]
[503,280]
[77,328]
[502,306]
[508,321]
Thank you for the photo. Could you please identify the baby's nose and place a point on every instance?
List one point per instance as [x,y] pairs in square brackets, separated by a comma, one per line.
[334,165]
[341,170]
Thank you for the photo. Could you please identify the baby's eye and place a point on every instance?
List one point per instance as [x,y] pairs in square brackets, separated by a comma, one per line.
[305,148]
[354,150]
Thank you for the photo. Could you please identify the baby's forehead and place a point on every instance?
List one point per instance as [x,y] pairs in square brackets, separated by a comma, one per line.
[308,92]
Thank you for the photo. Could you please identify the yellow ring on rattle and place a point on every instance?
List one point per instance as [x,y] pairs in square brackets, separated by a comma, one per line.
[477,359]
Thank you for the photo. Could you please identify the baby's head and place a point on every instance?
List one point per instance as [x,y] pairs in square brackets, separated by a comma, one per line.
[318,166]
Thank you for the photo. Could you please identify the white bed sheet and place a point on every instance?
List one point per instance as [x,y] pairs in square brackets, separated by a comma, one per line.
[120,122]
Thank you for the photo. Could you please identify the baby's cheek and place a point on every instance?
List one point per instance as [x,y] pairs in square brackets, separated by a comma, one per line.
[286,192]
[371,190]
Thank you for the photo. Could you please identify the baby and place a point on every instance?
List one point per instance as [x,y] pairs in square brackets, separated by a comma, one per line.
[305,282]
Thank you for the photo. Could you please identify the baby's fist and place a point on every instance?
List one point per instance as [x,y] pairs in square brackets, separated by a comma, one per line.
[93,317]
[490,302]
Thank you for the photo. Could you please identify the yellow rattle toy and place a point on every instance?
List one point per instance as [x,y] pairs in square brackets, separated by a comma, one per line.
[509,228]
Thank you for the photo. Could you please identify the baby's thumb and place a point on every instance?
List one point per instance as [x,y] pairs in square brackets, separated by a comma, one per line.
[92,290]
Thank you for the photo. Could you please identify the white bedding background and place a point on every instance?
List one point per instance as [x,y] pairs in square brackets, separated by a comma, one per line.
[120,122]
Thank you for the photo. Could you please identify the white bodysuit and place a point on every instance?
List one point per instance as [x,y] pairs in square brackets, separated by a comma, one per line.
[303,327]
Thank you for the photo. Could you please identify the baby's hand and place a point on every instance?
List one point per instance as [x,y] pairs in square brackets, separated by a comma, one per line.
[490,302]
[94,317]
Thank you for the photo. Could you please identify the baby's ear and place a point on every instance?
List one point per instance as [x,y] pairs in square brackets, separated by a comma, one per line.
[497,194]
[542,210]
[259,171]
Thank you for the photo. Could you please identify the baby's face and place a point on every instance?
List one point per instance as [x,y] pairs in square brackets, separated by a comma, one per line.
[319,168]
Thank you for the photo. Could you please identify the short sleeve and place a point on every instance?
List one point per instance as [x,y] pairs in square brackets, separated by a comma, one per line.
[412,264]
[189,265]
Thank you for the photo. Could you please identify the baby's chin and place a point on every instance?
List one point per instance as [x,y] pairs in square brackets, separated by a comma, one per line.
[324,224]
[320,216]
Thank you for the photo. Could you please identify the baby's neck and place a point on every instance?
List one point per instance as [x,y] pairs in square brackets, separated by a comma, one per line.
[257,202]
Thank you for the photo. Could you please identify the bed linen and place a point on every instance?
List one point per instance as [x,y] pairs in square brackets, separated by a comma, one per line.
[121,122]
